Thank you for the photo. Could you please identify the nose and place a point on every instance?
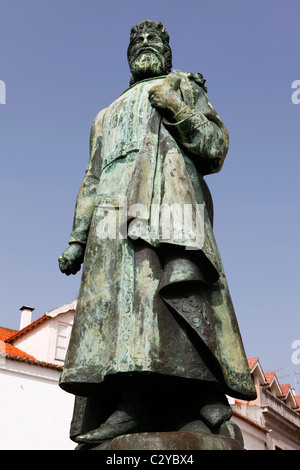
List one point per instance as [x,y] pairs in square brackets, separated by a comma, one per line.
[145,41]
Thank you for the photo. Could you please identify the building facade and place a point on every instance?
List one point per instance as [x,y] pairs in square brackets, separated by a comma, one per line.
[272,421]
[35,412]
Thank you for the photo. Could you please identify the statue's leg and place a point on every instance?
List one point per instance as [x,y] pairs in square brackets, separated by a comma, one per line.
[76,427]
[216,412]
[127,417]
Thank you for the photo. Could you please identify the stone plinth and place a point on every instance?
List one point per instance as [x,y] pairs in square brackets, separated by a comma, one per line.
[167,441]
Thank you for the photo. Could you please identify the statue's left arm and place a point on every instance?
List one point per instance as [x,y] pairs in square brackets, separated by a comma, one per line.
[197,128]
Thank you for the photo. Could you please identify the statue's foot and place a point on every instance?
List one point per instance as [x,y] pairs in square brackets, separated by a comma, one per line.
[195,426]
[231,429]
[226,429]
[214,414]
[119,423]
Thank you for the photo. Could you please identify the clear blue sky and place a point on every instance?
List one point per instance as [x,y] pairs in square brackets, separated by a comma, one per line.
[64,60]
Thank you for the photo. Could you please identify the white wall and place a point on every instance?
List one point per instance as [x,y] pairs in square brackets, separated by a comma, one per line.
[35,412]
[254,438]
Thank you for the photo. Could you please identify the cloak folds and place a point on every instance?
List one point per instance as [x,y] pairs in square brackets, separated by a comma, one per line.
[149,303]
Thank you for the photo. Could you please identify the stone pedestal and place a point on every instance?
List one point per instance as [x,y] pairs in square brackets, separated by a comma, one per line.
[168,441]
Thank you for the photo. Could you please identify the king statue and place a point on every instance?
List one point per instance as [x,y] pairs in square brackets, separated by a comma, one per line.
[155,344]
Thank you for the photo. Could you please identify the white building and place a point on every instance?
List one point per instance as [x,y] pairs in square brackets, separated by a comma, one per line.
[272,421]
[35,412]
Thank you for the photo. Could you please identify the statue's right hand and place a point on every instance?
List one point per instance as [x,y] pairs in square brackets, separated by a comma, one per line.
[71,259]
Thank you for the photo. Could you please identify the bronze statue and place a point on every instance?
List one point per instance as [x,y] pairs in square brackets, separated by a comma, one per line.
[155,344]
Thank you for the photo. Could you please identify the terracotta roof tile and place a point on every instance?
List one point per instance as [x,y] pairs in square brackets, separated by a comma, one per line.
[269,376]
[18,333]
[297,399]
[6,333]
[252,361]
[9,349]
[285,388]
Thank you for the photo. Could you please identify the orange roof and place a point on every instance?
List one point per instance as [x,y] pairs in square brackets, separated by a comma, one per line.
[297,399]
[285,388]
[252,361]
[18,333]
[9,349]
[269,376]
[6,333]
[11,352]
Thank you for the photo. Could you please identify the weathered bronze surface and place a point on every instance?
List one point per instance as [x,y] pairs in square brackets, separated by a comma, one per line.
[155,343]
[169,441]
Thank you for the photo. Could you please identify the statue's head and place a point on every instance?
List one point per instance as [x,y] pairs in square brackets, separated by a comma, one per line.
[149,53]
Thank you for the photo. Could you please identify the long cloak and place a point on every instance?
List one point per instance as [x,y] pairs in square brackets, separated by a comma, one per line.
[150,302]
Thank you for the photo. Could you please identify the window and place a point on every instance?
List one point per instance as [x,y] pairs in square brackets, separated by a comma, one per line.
[63,338]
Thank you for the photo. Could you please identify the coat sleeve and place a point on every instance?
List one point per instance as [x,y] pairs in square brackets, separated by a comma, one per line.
[201,133]
[85,202]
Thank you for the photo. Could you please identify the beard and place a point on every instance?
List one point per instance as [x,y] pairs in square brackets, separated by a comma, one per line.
[147,63]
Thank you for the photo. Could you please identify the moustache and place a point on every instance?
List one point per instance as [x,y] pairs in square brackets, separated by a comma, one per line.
[143,50]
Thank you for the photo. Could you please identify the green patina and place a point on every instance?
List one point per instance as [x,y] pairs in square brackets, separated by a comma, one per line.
[141,295]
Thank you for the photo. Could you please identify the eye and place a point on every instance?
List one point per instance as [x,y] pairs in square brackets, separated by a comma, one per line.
[154,38]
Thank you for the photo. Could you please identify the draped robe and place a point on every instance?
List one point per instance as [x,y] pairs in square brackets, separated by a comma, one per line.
[148,302]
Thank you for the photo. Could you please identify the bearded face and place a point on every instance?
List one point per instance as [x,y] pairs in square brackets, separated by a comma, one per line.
[146,56]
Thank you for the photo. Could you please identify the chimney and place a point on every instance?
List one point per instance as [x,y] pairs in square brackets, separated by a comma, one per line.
[25,316]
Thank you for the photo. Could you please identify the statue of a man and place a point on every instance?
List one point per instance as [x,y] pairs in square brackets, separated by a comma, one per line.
[155,344]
